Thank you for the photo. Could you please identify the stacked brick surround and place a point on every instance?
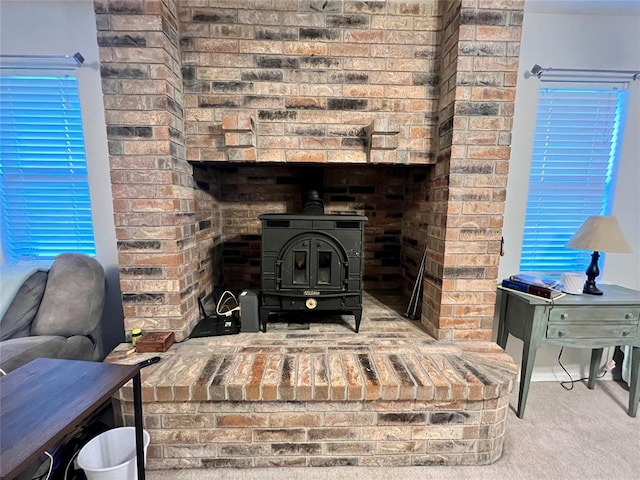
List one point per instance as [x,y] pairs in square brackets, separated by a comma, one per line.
[467,189]
[427,86]
[307,79]
[152,183]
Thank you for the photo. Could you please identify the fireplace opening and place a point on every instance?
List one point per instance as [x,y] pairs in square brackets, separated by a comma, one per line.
[232,197]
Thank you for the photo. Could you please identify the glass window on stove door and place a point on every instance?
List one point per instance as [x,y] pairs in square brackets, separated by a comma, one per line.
[300,267]
[324,268]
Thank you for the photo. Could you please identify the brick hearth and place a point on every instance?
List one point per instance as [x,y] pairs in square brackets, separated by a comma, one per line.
[316,393]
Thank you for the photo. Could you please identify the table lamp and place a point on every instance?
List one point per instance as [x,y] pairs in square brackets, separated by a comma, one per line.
[600,234]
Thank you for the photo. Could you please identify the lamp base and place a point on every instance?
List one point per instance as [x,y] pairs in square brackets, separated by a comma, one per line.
[592,272]
[591,289]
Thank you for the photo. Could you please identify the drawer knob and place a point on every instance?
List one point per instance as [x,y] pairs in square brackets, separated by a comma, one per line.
[628,316]
[625,333]
[560,333]
[564,316]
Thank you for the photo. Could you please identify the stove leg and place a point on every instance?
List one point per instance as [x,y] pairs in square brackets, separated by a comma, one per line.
[358,314]
[264,316]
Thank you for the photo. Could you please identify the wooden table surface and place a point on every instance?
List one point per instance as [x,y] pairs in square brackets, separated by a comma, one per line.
[46,400]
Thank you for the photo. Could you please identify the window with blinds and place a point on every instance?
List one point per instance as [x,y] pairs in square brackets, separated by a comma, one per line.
[44,200]
[573,171]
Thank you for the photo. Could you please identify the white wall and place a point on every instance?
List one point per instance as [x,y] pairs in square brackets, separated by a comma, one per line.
[606,40]
[64,28]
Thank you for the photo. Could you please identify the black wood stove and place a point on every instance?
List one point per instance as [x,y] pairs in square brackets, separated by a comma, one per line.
[311,262]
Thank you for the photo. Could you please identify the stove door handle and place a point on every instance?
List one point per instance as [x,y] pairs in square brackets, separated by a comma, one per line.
[278,274]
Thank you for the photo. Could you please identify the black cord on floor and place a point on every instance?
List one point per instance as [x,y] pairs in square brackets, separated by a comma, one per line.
[571,381]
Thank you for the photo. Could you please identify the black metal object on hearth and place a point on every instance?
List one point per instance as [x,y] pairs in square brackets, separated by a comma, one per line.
[311,262]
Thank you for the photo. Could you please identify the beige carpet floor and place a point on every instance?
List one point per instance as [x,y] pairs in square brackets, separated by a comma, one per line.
[578,434]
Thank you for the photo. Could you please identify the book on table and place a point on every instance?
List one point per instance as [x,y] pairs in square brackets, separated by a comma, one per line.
[547,289]
[544,282]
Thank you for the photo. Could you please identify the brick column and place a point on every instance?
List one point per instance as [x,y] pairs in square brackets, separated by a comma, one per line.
[468,184]
[152,183]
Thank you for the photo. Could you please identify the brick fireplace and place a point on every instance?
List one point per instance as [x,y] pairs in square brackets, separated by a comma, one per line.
[218,111]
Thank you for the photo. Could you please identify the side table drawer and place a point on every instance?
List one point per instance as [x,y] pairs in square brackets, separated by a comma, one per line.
[591,331]
[618,314]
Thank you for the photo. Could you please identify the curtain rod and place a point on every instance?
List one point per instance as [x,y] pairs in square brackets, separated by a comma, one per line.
[582,74]
[42,62]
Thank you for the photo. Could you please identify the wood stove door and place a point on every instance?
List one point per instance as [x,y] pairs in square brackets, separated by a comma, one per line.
[313,262]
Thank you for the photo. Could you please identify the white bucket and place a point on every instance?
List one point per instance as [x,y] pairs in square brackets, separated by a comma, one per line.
[112,455]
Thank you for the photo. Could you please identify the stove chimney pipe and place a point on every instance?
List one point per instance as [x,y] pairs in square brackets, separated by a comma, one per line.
[312,203]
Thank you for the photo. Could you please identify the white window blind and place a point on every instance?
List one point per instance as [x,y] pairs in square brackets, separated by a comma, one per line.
[45,205]
[573,170]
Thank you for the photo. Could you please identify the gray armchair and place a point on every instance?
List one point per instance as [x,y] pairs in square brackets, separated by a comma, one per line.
[55,314]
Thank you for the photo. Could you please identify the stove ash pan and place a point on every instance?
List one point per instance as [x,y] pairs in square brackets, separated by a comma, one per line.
[311,263]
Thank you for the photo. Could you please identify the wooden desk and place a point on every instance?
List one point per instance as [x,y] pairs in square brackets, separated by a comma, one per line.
[47,399]
[585,321]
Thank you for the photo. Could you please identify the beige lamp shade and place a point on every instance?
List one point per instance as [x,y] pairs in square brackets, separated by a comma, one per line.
[600,234]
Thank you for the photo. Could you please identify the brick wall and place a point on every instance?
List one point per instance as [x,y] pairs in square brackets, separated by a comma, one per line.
[481,43]
[152,184]
[322,434]
[306,77]
[315,82]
